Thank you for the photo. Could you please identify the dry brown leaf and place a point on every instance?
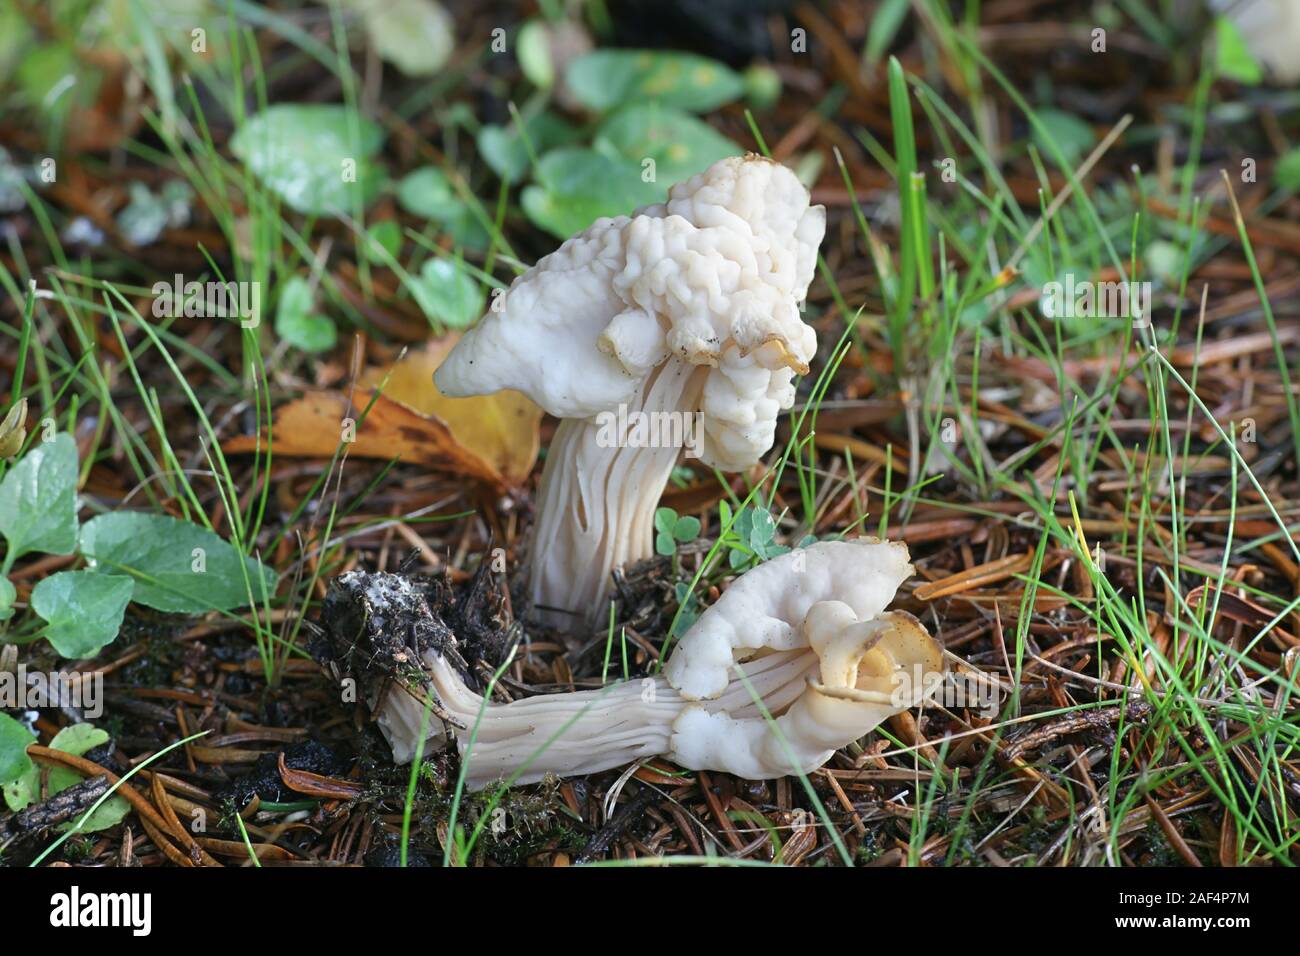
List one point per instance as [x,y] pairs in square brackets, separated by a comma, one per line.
[493,438]
[500,428]
[311,426]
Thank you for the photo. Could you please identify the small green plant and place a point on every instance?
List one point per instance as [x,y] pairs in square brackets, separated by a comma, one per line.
[14,741]
[645,139]
[155,560]
[24,788]
[690,609]
[751,538]
[672,529]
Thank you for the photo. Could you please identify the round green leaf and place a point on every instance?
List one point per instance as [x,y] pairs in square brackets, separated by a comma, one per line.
[14,738]
[312,333]
[1165,260]
[316,157]
[506,151]
[44,65]
[679,144]
[664,544]
[427,192]
[297,324]
[15,38]
[466,231]
[578,186]
[383,241]
[416,36]
[1072,136]
[38,499]
[534,52]
[447,293]
[77,740]
[687,528]
[757,528]
[83,610]
[1287,171]
[176,566]
[762,86]
[604,79]
[665,520]
[8,594]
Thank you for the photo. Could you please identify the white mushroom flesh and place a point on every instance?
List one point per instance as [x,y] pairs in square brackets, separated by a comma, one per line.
[797,659]
[691,306]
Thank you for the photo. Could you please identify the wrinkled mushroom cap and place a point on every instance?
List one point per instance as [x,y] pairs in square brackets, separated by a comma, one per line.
[765,608]
[828,598]
[714,276]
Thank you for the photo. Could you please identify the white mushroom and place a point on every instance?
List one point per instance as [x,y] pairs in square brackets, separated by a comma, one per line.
[677,326]
[1271,29]
[797,659]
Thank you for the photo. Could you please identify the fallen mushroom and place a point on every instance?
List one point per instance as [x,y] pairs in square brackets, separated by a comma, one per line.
[797,659]
[677,326]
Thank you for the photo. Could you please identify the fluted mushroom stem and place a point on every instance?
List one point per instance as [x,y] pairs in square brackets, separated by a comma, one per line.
[590,731]
[599,492]
[775,715]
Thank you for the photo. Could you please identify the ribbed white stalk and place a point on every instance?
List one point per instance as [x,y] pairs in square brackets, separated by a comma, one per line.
[589,731]
[596,505]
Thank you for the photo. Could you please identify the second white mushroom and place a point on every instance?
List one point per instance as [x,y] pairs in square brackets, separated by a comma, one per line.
[797,659]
